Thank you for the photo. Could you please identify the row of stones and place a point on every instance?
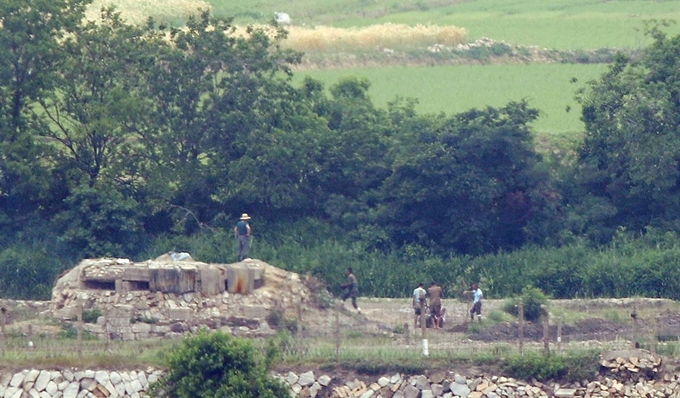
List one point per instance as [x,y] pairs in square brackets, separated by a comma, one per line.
[77,384]
[454,385]
[161,306]
[135,384]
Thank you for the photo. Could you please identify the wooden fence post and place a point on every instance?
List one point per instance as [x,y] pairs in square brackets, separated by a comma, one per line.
[423,319]
[337,331]
[299,327]
[80,330]
[559,336]
[546,332]
[520,311]
[3,320]
[406,333]
[107,330]
[30,337]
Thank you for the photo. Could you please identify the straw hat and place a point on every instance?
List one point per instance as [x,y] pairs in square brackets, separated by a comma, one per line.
[245,216]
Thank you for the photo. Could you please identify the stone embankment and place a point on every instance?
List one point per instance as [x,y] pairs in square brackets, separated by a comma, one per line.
[36,383]
[105,384]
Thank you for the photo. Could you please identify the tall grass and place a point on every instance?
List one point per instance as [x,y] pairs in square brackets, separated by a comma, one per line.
[173,12]
[629,267]
[381,36]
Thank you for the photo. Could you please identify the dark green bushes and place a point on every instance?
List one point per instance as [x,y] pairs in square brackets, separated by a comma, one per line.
[532,299]
[217,365]
[570,367]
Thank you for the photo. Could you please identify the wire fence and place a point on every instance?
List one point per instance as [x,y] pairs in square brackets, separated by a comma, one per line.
[342,333]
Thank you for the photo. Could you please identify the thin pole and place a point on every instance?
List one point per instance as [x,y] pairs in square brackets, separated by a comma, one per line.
[337,331]
[80,331]
[546,333]
[520,310]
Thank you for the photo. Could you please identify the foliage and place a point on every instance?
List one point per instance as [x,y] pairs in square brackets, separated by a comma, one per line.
[469,184]
[215,364]
[533,300]
[28,272]
[627,167]
[570,367]
[91,316]
[31,58]
[100,221]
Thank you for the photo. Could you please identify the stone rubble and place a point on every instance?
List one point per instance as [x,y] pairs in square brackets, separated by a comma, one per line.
[133,312]
[75,383]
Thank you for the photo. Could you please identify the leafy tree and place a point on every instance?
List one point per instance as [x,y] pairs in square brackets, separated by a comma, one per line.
[349,159]
[629,163]
[101,221]
[211,365]
[470,184]
[226,128]
[95,103]
[31,55]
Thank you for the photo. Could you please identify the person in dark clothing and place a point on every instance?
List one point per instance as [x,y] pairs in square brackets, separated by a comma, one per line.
[351,289]
[242,231]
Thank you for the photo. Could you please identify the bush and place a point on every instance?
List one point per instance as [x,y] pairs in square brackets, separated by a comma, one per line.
[91,316]
[569,368]
[532,298]
[217,365]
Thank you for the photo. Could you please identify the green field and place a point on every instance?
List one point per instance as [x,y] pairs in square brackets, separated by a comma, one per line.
[454,89]
[559,24]
[554,24]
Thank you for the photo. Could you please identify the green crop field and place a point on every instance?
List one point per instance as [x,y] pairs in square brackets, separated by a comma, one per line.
[453,89]
[554,24]
[560,24]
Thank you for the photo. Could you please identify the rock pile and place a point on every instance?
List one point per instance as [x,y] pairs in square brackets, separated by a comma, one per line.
[77,383]
[450,385]
[136,383]
[166,298]
[632,364]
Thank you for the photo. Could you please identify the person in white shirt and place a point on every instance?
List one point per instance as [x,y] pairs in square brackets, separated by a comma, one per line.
[477,303]
[419,298]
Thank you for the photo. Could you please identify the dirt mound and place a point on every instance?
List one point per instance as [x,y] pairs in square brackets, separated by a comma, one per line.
[585,329]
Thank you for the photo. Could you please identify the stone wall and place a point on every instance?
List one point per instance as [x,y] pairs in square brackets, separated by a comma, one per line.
[166,299]
[135,383]
[77,383]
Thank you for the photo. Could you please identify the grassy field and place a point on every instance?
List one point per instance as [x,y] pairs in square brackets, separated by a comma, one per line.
[555,24]
[454,89]
[561,24]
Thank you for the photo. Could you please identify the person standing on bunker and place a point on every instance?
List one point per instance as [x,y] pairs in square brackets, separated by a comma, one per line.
[242,231]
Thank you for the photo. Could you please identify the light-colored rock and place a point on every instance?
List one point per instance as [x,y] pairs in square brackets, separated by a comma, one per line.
[71,391]
[11,392]
[306,379]
[17,379]
[42,380]
[324,380]
[31,376]
[291,378]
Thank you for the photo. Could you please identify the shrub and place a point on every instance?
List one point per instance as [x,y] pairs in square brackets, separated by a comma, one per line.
[91,316]
[533,299]
[571,367]
[217,365]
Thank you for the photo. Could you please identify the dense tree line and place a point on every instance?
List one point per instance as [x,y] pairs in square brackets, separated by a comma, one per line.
[122,140]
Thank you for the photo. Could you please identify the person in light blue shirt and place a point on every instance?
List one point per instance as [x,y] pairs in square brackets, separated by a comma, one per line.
[477,303]
[419,295]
